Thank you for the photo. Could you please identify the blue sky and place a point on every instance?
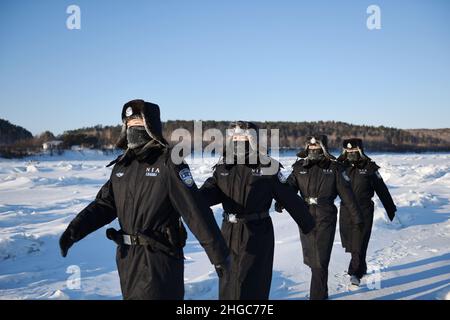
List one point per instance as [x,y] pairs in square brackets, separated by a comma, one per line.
[202,59]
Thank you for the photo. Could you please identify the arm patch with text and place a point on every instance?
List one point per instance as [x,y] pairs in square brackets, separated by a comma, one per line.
[186,177]
[345,176]
[281,177]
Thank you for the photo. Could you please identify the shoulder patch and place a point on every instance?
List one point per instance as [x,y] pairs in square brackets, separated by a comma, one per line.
[281,177]
[345,176]
[186,177]
[377,173]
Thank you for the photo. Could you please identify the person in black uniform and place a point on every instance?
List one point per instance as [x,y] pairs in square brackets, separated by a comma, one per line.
[319,178]
[366,180]
[148,193]
[245,183]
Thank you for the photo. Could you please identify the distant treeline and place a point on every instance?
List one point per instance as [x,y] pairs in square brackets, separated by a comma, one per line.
[17,141]
[293,135]
[10,133]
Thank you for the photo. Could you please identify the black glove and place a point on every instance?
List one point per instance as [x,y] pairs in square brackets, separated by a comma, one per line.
[278,207]
[66,241]
[391,215]
[223,268]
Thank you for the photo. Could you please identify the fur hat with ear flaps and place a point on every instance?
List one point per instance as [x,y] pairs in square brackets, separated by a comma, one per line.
[352,143]
[149,112]
[316,139]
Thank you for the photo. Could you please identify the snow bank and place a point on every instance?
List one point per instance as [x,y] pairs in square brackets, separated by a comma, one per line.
[19,245]
[40,195]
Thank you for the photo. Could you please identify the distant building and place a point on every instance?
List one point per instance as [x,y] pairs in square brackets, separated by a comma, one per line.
[76,148]
[51,145]
[109,146]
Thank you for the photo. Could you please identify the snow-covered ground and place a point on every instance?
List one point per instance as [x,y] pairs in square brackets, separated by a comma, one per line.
[408,259]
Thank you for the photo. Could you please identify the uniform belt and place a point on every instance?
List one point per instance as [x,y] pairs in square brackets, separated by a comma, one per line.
[315,201]
[244,218]
[134,240]
[121,238]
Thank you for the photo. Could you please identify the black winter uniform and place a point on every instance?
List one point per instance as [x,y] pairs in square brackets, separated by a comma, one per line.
[244,190]
[322,181]
[366,180]
[148,194]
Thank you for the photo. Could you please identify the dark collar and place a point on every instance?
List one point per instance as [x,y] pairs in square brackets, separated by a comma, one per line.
[148,153]
[324,163]
[259,163]
[360,164]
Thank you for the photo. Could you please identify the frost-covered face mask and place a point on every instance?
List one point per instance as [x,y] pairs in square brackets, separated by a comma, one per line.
[241,148]
[243,142]
[137,136]
[353,156]
[315,154]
